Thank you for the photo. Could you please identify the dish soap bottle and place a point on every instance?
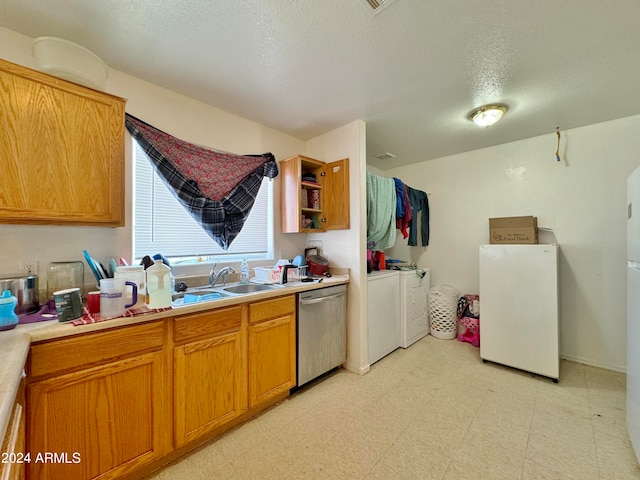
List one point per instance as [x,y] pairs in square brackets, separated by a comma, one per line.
[244,271]
[8,317]
[158,285]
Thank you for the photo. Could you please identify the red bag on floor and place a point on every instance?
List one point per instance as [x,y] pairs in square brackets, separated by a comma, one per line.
[469,317]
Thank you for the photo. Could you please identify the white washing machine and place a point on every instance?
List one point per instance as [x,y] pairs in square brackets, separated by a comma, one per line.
[414,305]
[383,313]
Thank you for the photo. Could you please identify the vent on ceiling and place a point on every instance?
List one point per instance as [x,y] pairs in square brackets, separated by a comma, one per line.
[376,6]
[384,156]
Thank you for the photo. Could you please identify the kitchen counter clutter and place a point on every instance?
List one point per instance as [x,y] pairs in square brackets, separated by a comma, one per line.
[53,329]
[235,355]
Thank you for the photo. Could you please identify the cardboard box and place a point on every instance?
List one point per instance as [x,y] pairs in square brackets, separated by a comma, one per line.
[512,230]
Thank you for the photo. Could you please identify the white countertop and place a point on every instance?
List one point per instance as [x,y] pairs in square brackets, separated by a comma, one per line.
[14,347]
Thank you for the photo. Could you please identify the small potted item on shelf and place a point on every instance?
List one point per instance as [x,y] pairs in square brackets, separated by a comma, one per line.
[307,222]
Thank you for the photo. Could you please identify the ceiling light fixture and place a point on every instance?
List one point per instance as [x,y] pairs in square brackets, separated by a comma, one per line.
[487,114]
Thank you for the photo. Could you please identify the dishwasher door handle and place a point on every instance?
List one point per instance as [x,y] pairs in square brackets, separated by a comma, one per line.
[322,299]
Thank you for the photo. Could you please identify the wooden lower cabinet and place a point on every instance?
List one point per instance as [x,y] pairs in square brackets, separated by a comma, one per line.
[272,349]
[209,373]
[120,403]
[102,421]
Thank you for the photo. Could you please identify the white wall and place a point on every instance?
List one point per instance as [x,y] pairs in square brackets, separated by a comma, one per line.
[345,248]
[179,115]
[582,198]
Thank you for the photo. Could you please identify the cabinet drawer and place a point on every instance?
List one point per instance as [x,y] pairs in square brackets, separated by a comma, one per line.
[267,309]
[70,354]
[202,325]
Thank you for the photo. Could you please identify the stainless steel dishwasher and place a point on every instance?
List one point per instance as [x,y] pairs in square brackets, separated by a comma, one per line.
[322,331]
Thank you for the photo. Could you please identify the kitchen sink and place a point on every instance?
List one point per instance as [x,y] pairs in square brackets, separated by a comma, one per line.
[247,288]
[211,294]
[197,296]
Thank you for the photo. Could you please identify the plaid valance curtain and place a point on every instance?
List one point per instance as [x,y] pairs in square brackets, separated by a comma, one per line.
[217,189]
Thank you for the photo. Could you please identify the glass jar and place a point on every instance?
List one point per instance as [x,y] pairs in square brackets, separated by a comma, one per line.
[65,275]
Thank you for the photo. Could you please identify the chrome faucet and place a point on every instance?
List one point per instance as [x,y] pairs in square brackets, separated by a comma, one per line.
[214,276]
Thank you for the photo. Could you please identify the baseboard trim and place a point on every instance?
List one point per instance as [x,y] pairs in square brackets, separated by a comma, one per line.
[359,370]
[591,363]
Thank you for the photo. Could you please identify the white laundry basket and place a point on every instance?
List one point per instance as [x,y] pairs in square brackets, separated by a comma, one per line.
[443,305]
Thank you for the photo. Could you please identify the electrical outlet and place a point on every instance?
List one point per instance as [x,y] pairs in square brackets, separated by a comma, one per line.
[29,266]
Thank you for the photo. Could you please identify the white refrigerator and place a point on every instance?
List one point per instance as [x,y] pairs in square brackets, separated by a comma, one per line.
[633,310]
[519,307]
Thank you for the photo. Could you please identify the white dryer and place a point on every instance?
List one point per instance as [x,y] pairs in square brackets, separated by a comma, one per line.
[414,305]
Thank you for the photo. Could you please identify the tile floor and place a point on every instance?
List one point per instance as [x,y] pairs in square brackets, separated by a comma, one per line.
[433,411]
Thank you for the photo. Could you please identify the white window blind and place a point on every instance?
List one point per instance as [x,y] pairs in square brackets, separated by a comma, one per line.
[162,225]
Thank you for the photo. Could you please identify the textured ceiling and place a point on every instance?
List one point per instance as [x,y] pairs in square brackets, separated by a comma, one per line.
[411,72]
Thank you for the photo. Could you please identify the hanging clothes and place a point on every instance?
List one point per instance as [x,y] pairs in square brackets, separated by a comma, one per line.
[399,198]
[217,189]
[381,211]
[403,222]
[419,203]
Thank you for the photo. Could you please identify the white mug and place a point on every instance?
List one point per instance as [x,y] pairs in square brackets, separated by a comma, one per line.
[112,297]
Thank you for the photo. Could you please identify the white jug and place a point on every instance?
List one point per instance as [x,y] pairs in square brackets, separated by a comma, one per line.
[158,285]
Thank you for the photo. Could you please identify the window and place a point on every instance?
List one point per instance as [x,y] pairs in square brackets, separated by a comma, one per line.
[162,225]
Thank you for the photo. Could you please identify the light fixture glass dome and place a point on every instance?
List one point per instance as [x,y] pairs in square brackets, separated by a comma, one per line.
[487,114]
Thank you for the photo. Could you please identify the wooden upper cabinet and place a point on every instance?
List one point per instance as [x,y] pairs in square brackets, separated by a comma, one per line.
[314,206]
[61,151]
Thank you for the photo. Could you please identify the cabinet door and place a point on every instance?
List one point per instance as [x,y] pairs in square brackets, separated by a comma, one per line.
[272,358]
[61,151]
[208,385]
[336,195]
[104,421]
